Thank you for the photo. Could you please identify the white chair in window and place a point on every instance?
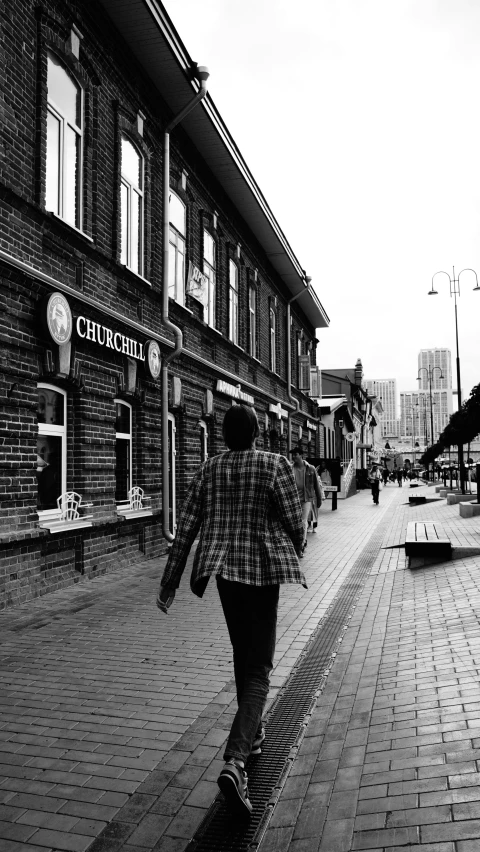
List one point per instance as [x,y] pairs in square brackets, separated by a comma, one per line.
[133,507]
[69,505]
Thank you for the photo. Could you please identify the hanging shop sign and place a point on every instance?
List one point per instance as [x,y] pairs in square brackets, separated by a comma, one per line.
[234,391]
[58,317]
[153,358]
[278,410]
[312,426]
[197,284]
[104,336]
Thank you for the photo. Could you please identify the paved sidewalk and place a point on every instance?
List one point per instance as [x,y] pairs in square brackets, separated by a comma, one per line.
[113,717]
[391,757]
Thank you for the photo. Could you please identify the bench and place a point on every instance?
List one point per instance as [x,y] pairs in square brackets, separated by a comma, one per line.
[427,540]
[414,499]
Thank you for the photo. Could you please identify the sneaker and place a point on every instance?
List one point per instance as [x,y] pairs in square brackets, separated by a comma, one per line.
[233,784]
[257,743]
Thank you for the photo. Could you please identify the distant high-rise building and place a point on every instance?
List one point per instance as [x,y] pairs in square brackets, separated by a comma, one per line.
[442,398]
[430,358]
[386,391]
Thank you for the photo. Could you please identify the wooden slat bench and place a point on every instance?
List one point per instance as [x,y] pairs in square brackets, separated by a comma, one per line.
[414,499]
[427,539]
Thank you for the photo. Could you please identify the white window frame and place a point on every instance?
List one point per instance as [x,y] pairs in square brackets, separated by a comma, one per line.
[252,320]
[54,110]
[272,323]
[203,440]
[233,276]
[125,436]
[210,272]
[55,430]
[176,241]
[132,190]
[172,470]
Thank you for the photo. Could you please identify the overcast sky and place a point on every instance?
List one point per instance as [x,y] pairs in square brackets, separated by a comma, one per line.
[360,122]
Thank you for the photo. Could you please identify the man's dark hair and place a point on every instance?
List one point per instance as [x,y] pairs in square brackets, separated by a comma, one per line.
[297,450]
[240,427]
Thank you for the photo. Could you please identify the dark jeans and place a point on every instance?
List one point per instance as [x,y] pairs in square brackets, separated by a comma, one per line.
[251,616]
[375,490]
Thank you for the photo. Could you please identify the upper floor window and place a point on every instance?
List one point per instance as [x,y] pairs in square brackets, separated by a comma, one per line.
[273,329]
[131,203]
[176,267]
[252,321]
[51,446]
[233,302]
[64,143]
[123,450]
[209,269]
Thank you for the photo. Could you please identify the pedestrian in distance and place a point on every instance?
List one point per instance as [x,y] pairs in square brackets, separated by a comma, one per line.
[313,516]
[244,503]
[399,478]
[375,477]
[308,486]
[385,475]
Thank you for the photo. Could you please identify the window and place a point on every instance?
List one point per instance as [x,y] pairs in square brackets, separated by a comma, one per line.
[233,302]
[131,204]
[273,355]
[123,450]
[51,446]
[209,269]
[203,441]
[252,322]
[64,144]
[176,267]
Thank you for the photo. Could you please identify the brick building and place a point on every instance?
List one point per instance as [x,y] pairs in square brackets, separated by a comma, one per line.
[108,382]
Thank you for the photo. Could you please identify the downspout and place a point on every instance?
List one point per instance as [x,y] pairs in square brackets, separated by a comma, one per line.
[202,75]
[292,399]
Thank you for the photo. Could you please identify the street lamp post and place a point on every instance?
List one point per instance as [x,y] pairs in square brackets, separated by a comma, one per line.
[430,371]
[455,291]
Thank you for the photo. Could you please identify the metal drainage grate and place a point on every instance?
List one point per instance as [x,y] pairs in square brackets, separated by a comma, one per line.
[287,720]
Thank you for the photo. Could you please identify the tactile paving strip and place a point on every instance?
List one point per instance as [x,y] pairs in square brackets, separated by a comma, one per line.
[287,720]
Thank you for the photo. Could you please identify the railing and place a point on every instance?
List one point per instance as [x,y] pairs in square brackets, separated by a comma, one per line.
[346,480]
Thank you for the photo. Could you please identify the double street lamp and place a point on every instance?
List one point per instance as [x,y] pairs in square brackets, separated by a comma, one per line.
[455,291]
[430,371]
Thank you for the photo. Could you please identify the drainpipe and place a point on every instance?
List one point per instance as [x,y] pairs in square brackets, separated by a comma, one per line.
[292,399]
[202,74]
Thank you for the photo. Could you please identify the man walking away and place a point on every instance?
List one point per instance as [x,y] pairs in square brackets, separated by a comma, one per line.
[308,487]
[245,505]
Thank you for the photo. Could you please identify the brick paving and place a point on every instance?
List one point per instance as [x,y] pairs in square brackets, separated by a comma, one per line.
[113,717]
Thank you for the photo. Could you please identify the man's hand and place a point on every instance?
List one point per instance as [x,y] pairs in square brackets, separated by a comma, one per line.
[165,598]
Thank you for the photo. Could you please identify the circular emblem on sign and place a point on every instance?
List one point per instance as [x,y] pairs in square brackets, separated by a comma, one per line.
[59,318]
[153,358]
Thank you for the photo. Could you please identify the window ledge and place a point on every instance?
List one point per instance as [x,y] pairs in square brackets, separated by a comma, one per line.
[134,513]
[73,227]
[59,526]
[179,305]
[135,274]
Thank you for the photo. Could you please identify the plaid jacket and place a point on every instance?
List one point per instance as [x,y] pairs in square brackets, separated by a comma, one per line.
[246,506]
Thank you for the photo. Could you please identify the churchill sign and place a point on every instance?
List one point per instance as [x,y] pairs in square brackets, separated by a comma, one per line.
[96,333]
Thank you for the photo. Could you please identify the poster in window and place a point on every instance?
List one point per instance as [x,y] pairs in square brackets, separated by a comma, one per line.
[197,284]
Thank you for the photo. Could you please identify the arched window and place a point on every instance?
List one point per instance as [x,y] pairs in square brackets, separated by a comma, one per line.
[64,143]
[176,266]
[131,202]
[233,302]
[123,450]
[273,340]
[51,446]
[209,269]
